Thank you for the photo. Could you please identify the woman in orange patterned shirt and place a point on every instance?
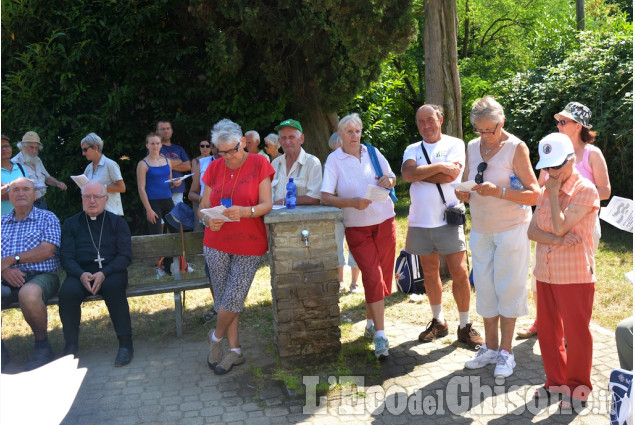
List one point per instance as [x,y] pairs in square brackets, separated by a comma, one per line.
[563,227]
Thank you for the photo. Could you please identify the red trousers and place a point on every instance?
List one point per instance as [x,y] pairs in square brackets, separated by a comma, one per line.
[564,311]
[373,248]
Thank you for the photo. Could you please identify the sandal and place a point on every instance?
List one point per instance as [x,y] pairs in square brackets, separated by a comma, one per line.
[572,403]
[542,392]
[528,332]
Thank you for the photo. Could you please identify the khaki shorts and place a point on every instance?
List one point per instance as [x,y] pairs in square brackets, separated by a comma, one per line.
[445,240]
[49,282]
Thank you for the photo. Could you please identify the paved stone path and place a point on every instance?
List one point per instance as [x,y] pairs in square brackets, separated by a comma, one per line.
[168,382]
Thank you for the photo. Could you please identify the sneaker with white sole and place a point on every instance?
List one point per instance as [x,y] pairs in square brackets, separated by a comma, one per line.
[484,356]
[356,289]
[505,364]
[381,347]
[369,332]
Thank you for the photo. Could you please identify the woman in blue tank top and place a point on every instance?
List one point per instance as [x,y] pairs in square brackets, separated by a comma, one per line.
[152,173]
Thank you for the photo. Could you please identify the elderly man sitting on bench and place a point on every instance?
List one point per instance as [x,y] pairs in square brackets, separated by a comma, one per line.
[96,252]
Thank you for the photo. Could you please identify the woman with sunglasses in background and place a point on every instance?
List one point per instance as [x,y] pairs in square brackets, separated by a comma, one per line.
[498,239]
[574,122]
[103,170]
[199,165]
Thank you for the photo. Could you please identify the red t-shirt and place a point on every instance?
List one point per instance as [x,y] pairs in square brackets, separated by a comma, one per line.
[247,236]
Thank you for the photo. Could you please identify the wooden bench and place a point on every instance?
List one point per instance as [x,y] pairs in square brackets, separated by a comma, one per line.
[152,247]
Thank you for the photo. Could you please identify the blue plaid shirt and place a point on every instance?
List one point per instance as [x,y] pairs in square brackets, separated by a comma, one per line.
[19,236]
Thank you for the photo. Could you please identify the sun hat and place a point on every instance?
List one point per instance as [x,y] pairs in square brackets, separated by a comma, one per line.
[553,150]
[31,137]
[182,214]
[577,112]
[289,123]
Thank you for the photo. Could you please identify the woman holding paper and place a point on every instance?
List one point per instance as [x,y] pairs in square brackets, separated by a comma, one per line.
[498,239]
[153,172]
[370,226]
[233,245]
[103,170]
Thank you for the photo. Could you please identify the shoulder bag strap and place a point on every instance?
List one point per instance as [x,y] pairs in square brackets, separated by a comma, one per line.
[438,185]
[21,169]
[374,160]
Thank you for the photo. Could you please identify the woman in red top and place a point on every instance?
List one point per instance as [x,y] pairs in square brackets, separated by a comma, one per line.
[233,246]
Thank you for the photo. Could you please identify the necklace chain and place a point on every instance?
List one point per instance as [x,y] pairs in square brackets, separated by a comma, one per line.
[101,232]
[222,190]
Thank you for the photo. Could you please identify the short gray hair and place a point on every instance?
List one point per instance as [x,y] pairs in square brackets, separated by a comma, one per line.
[95,183]
[438,109]
[334,141]
[253,133]
[273,139]
[486,108]
[350,119]
[93,140]
[226,132]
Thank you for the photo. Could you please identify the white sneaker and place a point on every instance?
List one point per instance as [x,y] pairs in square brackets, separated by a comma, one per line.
[484,357]
[355,288]
[505,364]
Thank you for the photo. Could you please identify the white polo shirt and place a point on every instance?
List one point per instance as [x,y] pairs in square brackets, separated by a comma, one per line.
[349,177]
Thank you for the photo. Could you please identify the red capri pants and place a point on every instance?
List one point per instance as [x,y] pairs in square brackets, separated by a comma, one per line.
[373,248]
[564,311]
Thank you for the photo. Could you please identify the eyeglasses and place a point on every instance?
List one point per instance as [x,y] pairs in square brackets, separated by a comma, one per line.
[481,132]
[479,175]
[86,149]
[562,122]
[93,197]
[557,167]
[204,146]
[227,152]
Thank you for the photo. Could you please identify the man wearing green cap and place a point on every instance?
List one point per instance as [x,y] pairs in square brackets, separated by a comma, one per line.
[305,169]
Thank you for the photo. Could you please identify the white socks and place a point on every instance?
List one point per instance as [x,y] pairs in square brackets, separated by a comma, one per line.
[214,337]
[437,312]
[369,323]
[236,350]
[464,319]
[380,334]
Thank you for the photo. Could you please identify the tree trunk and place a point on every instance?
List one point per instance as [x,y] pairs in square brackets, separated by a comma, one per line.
[306,107]
[443,86]
[579,14]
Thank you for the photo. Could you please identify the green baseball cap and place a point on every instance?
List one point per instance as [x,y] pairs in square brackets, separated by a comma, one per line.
[289,123]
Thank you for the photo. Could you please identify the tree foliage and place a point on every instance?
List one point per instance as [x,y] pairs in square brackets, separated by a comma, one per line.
[316,54]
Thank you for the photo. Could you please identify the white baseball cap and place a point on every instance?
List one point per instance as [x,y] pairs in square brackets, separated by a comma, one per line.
[554,150]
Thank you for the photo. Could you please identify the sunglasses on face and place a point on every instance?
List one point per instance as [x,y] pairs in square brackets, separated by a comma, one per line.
[562,122]
[227,152]
[479,175]
[204,146]
[86,149]
[557,167]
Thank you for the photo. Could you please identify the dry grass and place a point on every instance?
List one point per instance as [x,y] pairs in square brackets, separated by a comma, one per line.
[153,316]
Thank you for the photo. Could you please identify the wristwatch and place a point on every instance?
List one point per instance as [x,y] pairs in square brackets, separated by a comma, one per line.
[17,259]
[253,211]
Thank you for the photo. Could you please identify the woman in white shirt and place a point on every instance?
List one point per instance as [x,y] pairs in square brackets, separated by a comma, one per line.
[370,226]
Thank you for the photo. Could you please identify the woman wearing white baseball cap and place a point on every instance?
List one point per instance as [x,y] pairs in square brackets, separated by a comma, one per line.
[562,226]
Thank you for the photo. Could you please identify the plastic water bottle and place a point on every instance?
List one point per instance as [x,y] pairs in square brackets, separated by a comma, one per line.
[516,184]
[175,269]
[291,194]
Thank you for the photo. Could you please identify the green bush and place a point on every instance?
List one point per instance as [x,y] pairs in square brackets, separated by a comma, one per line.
[599,74]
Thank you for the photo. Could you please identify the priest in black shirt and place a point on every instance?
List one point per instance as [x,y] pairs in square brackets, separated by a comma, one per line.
[96,251]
